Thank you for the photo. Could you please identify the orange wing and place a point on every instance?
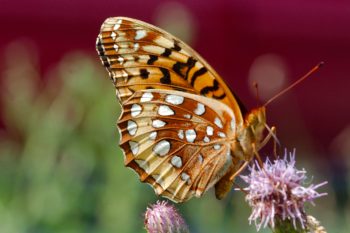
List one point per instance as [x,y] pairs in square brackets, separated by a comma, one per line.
[173,145]
[141,56]
[177,142]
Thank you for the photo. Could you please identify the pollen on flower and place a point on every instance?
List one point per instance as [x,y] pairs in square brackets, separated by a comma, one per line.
[164,218]
[276,191]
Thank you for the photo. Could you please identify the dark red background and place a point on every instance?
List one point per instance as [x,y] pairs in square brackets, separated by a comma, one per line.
[230,35]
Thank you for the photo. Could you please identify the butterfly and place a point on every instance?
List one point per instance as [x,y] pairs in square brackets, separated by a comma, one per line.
[182,129]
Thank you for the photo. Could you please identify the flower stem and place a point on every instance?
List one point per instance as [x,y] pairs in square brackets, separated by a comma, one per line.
[286,226]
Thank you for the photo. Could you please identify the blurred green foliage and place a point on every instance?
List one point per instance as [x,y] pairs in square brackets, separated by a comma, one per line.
[60,167]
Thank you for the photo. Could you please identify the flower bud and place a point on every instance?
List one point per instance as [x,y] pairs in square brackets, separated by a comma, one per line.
[164,218]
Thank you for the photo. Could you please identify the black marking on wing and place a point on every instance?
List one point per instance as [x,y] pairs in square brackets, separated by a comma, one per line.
[177,67]
[99,47]
[152,59]
[166,52]
[176,47]
[215,87]
[101,53]
[190,62]
[198,73]
[105,61]
[144,73]
[166,78]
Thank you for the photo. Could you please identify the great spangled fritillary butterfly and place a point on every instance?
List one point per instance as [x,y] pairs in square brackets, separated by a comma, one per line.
[182,129]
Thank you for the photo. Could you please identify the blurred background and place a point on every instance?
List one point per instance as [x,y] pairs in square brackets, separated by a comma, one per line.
[60,167]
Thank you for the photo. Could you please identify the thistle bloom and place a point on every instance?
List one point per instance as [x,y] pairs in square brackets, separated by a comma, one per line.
[276,192]
[164,218]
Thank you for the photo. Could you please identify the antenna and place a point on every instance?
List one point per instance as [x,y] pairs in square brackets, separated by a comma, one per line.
[255,84]
[308,74]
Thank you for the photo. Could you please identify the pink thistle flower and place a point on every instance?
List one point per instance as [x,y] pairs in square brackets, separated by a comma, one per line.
[276,192]
[164,218]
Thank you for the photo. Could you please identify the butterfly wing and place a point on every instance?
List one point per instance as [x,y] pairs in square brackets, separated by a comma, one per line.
[139,56]
[177,142]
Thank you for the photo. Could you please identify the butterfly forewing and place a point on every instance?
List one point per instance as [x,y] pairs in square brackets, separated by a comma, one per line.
[139,56]
[177,142]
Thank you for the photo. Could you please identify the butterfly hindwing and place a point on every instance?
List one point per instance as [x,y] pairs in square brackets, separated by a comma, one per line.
[177,142]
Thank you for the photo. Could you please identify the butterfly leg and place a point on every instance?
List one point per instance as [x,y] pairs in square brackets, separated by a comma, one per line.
[275,142]
[273,134]
[233,176]
[256,153]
